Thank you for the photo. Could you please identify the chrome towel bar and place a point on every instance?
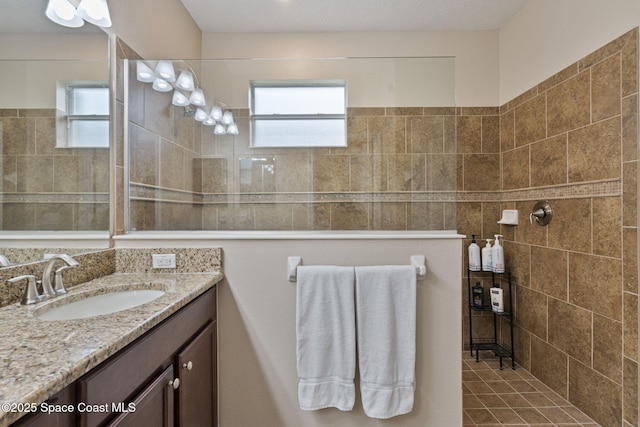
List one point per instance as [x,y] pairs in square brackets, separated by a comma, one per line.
[417,261]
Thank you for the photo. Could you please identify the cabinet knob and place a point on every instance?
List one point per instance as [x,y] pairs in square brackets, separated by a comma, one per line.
[175,383]
[188,366]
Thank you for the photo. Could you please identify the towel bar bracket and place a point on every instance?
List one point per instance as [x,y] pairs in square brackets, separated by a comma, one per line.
[417,261]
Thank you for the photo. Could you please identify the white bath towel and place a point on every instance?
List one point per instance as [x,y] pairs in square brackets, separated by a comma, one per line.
[326,337]
[386,324]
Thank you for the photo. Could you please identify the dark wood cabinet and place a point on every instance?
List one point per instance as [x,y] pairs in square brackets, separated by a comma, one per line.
[167,377]
[61,417]
[197,373]
[154,407]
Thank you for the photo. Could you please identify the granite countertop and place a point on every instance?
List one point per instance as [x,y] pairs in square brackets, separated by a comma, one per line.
[39,358]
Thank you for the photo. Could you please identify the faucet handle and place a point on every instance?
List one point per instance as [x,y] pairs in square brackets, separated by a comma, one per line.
[31,295]
[58,284]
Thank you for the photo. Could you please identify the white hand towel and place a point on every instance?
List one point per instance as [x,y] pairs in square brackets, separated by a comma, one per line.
[326,337]
[386,324]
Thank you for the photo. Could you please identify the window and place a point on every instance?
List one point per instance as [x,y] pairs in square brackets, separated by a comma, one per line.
[86,110]
[298,113]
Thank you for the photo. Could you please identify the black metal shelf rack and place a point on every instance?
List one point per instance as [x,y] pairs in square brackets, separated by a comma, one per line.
[497,344]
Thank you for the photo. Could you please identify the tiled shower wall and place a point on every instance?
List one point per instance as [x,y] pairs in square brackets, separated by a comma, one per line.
[572,140]
[49,188]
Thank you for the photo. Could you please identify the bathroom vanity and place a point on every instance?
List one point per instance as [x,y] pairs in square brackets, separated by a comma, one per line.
[154,364]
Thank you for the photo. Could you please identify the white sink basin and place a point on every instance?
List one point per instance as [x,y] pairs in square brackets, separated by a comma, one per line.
[101,304]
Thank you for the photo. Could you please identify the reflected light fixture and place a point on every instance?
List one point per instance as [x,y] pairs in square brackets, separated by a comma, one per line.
[216,113]
[179,99]
[62,12]
[219,130]
[163,77]
[95,12]
[197,98]
[144,73]
[165,70]
[201,115]
[161,85]
[185,81]
[232,129]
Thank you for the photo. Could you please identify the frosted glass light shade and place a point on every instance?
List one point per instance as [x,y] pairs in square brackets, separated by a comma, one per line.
[165,70]
[216,113]
[185,81]
[95,12]
[232,129]
[197,97]
[144,73]
[161,85]
[64,13]
[209,122]
[219,130]
[227,118]
[201,115]
[179,99]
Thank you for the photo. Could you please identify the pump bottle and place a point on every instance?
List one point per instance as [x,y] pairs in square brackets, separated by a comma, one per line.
[487,265]
[497,255]
[474,255]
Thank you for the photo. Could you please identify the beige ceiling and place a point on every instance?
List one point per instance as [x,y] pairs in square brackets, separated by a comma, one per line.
[350,15]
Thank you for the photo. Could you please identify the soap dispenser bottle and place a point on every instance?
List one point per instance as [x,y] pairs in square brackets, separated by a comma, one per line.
[497,256]
[487,265]
[474,255]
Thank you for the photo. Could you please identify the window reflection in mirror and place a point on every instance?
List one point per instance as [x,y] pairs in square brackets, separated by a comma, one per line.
[55,152]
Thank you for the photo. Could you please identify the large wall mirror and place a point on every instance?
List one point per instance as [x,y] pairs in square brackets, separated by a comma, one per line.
[54,125]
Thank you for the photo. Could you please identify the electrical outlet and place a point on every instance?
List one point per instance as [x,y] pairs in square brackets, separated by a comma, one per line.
[164,260]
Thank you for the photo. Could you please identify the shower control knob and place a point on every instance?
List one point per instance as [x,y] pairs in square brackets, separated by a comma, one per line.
[175,383]
[188,366]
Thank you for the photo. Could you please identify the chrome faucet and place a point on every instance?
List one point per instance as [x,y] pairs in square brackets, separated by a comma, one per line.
[31,294]
[48,290]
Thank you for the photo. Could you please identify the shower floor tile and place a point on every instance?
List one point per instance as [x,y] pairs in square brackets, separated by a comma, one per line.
[492,398]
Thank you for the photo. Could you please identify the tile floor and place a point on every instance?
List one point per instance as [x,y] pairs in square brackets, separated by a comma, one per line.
[512,397]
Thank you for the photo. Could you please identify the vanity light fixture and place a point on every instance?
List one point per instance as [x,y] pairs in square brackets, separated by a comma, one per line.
[144,73]
[232,129]
[219,130]
[179,99]
[185,81]
[63,12]
[165,70]
[216,113]
[197,98]
[95,12]
[161,85]
[201,115]
[163,77]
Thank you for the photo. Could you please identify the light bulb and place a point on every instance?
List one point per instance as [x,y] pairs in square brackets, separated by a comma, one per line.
[95,12]
[64,13]
[185,81]
[209,121]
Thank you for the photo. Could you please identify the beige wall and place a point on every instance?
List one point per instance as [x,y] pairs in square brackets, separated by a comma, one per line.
[548,35]
[476,52]
[156,29]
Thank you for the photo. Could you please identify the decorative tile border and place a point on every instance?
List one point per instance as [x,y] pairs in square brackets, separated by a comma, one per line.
[569,191]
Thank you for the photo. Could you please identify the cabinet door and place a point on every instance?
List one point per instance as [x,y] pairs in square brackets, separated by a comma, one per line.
[197,394]
[63,418]
[154,405]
